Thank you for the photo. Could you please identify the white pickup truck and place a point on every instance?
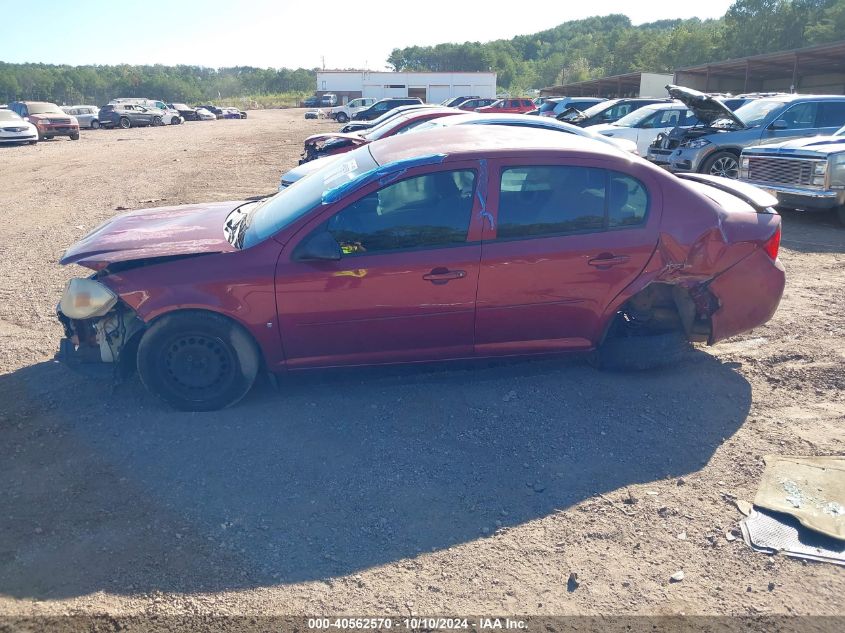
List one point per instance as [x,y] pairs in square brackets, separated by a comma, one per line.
[344,113]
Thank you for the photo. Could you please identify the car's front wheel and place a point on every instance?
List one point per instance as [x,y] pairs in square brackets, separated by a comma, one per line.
[197,361]
[95,124]
[724,164]
[341,117]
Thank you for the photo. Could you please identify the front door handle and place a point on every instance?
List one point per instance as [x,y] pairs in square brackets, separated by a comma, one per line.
[606,260]
[441,276]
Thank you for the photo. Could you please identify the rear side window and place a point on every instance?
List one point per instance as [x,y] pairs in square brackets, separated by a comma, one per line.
[539,201]
[831,114]
[428,211]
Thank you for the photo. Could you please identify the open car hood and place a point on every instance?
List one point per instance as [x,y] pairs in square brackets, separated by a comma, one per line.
[163,232]
[353,137]
[706,108]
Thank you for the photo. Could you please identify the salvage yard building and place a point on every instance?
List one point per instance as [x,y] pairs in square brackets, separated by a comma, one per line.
[430,87]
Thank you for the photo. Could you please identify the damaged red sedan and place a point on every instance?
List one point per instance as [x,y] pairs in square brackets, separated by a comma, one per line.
[466,242]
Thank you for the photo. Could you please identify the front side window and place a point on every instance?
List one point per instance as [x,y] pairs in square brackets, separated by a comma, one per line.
[800,117]
[428,211]
[538,201]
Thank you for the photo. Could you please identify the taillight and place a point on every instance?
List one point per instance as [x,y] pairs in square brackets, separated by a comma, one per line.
[772,245]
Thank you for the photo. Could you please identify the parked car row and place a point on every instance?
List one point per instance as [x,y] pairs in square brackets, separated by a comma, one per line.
[32,121]
[789,144]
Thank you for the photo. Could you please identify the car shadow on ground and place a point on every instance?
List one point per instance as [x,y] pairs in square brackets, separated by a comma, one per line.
[335,473]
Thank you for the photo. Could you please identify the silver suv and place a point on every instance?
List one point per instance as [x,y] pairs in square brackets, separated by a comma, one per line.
[87,115]
[714,148]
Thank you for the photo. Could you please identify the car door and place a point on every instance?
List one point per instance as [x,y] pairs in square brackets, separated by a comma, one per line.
[404,287]
[568,237]
[831,117]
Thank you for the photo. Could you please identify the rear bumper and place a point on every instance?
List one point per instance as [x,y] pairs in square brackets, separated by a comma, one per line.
[749,294]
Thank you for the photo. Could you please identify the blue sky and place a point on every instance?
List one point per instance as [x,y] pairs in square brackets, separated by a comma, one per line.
[274,33]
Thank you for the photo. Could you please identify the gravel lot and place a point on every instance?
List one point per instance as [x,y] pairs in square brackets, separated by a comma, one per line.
[470,489]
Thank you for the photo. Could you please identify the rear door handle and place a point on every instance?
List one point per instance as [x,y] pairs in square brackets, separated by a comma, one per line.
[444,275]
[606,260]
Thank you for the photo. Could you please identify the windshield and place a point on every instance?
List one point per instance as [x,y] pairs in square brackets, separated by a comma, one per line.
[290,204]
[635,118]
[377,131]
[43,108]
[8,115]
[755,112]
[548,106]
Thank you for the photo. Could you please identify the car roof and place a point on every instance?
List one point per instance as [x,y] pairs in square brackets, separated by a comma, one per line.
[477,141]
[794,97]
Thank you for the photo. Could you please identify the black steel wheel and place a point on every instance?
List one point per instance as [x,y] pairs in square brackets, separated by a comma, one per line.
[197,361]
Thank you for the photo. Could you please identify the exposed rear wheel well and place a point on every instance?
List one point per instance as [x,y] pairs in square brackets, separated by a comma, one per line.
[660,308]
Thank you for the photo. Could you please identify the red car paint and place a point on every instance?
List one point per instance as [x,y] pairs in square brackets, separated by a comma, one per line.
[319,145]
[517,106]
[523,296]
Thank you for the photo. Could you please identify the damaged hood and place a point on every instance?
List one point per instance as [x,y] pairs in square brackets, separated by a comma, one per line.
[161,232]
[706,109]
[353,137]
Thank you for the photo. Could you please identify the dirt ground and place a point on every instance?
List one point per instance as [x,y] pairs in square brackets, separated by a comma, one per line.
[471,489]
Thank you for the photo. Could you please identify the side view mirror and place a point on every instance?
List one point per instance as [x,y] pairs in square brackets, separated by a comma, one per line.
[780,124]
[320,246]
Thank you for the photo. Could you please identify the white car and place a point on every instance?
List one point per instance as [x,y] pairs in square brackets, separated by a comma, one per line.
[344,113]
[13,129]
[644,124]
[205,115]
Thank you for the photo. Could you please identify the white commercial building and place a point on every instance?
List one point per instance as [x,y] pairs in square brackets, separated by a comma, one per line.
[430,87]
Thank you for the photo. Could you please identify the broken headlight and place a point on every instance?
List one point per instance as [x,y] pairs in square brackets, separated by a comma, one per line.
[85,299]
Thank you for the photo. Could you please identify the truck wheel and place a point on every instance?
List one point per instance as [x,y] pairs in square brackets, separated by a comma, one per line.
[724,164]
[341,117]
[197,361]
[125,123]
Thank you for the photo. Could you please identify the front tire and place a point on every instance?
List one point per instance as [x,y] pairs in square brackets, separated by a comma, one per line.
[724,164]
[95,124]
[342,117]
[197,361]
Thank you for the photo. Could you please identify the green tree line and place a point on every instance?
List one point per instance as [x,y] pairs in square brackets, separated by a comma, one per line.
[183,84]
[611,45]
[573,51]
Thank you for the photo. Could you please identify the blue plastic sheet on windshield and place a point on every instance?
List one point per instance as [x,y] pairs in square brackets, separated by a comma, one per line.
[384,174]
